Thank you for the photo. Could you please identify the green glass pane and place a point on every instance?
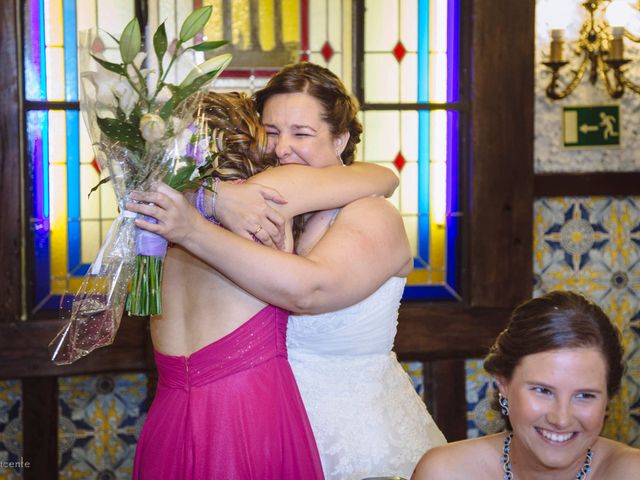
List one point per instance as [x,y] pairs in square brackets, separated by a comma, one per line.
[113,15]
[409,134]
[55,74]
[380,25]
[409,24]
[90,205]
[409,78]
[381,78]
[409,188]
[381,135]
[318,26]
[90,245]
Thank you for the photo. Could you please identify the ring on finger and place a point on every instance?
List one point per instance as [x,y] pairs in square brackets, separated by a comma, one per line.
[258,228]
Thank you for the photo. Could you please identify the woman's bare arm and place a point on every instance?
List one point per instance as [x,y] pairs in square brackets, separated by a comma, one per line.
[366,245]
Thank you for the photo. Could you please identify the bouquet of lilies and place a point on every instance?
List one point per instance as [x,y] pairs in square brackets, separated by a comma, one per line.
[144,130]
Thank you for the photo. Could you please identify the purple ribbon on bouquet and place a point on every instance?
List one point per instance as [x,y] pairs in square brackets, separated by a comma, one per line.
[149,243]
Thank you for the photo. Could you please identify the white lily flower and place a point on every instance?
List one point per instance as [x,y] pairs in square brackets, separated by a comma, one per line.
[103,81]
[127,96]
[152,127]
[220,62]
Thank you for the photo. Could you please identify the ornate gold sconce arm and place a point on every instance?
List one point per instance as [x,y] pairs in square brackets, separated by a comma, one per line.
[552,87]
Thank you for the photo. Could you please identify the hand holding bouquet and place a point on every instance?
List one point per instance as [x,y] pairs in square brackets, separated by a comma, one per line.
[144,130]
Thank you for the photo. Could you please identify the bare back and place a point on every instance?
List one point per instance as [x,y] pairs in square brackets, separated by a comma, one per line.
[199,305]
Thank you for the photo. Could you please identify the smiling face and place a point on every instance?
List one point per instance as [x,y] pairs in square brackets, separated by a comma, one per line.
[298,133]
[557,401]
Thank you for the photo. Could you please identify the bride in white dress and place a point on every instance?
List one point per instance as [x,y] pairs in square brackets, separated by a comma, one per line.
[367,419]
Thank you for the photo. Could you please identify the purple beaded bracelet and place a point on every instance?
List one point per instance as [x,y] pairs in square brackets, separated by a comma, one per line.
[200,202]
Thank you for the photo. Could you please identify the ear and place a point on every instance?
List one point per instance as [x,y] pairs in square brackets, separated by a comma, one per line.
[340,142]
[503,386]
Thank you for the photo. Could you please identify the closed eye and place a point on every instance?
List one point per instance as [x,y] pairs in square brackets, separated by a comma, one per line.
[586,396]
[541,390]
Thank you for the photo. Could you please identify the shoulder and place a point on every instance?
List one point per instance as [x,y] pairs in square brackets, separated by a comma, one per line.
[372,209]
[620,461]
[458,460]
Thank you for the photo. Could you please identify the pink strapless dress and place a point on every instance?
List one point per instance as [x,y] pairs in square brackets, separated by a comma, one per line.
[231,410]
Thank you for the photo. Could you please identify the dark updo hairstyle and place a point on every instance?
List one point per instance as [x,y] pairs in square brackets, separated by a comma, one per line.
[340,108]
[555,321]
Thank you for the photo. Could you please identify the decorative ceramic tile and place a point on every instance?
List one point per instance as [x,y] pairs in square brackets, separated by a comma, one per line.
[592,245]
[100,418]
[482,419]
[10,429]
[415,370]
[549,153]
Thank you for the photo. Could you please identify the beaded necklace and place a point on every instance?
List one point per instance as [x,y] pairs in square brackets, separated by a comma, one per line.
[506,461]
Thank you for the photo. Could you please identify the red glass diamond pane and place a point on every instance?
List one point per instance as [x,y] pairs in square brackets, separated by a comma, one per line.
[399,161]
[399,51]
[327,51]
[96,166]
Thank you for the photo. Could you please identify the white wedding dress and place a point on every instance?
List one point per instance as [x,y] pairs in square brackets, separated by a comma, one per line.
[367,419]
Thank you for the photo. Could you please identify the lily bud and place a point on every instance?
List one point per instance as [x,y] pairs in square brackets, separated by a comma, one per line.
[216,63]
[152,127]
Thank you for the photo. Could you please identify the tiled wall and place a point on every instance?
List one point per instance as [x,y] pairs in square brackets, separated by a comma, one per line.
[10,429]
[590,245]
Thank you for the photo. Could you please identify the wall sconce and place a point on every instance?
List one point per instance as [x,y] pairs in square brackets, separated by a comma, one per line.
[601,48]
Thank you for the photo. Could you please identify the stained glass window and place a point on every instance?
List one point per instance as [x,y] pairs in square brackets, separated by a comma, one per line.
[411,118]
[408,86]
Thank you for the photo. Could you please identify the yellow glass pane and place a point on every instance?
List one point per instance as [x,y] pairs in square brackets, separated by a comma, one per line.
[438,77]
[411,226]
[436,246]
[409,78]
[265,21]
[57,138]
[438,26]
[214,29]
[290,21]
[86,14]
[112,17]
[54,33]
[90,206]
[86,150]
[58,220]
[419,276]
[104,229]
[90,234]
[409,134]
[438,126]
[381,78]
[241,24]
[335,65]
[409,24]
[318,25]
[334,26]
[438,189]
[409,188]
[108,204]
[55,74]
[381,135]
[380,25]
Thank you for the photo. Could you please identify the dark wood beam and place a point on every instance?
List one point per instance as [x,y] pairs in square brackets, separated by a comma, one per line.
[10,171]
[24,352]
[444,386]
[501,199]
[587,184]
[40,427]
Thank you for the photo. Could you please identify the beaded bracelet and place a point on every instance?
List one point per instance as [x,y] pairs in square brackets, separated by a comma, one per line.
[200,203]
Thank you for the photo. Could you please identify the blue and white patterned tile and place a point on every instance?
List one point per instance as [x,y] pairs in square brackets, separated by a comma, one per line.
[482,419]
[415,370]
[592,245]
[10,429]
[100,418]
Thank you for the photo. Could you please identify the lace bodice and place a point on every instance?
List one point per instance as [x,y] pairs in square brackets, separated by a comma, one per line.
[368,327]
[366,416]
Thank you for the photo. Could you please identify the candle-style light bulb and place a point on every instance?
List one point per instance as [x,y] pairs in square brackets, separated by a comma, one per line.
[616,52]
[557,45]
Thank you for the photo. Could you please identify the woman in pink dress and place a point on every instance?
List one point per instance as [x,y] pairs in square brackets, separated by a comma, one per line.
[227,406]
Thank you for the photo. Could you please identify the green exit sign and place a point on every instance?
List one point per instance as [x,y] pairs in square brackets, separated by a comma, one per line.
[596,126]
